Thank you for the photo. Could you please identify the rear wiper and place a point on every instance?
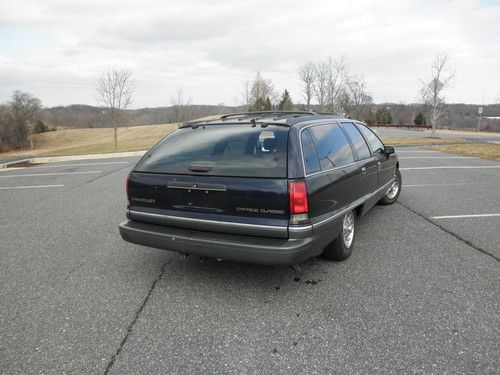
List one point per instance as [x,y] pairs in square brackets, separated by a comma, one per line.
[201,166]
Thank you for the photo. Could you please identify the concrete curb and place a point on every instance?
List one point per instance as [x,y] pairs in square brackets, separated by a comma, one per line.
[54,159]
[21,161]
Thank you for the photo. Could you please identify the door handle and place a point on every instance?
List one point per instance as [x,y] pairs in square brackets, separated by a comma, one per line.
[363,170]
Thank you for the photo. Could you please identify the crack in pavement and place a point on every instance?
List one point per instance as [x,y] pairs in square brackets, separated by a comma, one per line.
[73,269]
[136,318]
[458,237]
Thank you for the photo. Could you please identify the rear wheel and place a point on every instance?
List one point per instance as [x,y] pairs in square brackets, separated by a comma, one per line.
[341,247]
[392,193]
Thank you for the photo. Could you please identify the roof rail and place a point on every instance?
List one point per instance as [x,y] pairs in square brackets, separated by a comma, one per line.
[268,113]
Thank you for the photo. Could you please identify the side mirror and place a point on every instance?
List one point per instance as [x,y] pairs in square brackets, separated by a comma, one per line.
[388,150]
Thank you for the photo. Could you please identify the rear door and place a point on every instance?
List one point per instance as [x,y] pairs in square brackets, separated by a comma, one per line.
[332,175]
[368,163]
[222,178]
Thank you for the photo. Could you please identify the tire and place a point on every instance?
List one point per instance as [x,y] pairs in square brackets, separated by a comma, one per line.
[342,246]
[392,195]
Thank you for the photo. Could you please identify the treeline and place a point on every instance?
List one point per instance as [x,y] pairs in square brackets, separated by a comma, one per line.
[457,116]
[86,116]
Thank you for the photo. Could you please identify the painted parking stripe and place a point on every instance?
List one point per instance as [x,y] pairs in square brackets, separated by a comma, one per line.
[29,187]
[80,164]
[419,151]
[437,157]
[452,167]
[464,216]
[49,174]
[434,185]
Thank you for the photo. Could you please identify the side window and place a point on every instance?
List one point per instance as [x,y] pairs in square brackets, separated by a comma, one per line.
[311,161]
[332,146]
[373,140]
[357,139]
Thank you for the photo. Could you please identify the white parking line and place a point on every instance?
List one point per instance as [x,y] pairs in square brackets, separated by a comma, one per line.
[452,167]
[78,164]
[49,174]
[437,157]
[452,184]
[29,187]
[463,216]
[419,151]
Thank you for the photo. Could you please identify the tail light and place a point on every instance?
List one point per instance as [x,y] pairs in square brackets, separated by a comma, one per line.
[299,204]
[127,187]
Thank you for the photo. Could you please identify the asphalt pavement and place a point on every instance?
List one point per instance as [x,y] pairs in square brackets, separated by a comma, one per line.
[419,294]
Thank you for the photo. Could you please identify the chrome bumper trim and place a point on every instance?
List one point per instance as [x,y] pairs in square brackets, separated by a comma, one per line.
[210,225]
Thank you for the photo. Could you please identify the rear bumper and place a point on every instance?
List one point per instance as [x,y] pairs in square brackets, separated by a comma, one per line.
[239,248]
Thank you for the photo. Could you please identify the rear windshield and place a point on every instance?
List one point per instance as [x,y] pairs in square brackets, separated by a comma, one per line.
[221,150]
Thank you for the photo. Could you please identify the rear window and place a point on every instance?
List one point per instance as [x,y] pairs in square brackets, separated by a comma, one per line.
[221,150]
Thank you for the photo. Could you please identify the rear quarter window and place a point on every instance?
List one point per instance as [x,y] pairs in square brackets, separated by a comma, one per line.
[311,161]
[220,150]
[332,146]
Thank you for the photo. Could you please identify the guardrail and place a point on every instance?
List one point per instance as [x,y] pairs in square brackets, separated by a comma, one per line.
[401,126]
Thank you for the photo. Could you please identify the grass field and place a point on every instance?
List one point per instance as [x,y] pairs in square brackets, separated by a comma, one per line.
[481,150]
[395,141]
[90,141]
[100,140]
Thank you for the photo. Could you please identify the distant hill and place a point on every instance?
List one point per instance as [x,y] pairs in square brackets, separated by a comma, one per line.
[86,116]
[458,116]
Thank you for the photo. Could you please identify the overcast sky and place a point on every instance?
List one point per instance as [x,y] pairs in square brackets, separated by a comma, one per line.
[56,49]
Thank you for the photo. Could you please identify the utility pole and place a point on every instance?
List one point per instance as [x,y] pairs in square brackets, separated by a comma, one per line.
[479,112]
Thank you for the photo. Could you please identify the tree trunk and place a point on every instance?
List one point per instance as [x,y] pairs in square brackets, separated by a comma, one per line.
[116,138]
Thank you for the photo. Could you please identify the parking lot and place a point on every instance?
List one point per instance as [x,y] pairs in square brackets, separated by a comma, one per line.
[419,294]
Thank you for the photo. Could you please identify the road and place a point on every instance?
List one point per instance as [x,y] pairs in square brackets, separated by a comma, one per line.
[419,294]
[401,132]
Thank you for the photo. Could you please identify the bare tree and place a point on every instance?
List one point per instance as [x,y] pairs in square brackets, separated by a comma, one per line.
[244,97]
[328,83]
[115,88]
[356,96]
[262,89]
[180,106]
[320,84]
[432,90]
[338,71]
[257,92]
[6,132]
[24,108]
[306,75]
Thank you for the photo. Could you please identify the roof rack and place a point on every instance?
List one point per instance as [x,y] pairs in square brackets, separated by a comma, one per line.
[282,118]
[268,113]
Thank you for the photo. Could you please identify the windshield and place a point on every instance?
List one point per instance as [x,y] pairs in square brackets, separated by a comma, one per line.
[221,150]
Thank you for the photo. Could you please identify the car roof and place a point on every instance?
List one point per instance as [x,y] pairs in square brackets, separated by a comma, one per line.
[283,118]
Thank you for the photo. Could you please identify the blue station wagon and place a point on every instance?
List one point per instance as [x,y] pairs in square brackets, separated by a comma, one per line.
[266,187]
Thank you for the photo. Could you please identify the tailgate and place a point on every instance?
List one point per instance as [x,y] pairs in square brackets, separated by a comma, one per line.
[236,205]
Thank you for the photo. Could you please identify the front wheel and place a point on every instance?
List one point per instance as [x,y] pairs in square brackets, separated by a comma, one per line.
[341,247]
[392,193]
